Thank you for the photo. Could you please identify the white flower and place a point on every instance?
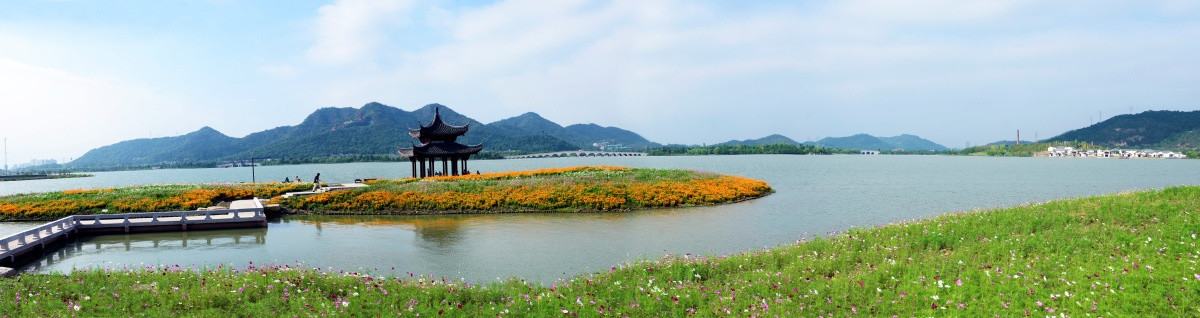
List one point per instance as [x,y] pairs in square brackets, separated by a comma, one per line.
[935,297]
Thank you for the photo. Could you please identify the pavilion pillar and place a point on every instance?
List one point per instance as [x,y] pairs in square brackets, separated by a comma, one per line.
[454,166]
[414,166]
[465,170]
[423,169]
[431,169]
[445,165]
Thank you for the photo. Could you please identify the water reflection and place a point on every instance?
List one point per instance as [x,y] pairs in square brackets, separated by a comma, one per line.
[441,231]
[112,246]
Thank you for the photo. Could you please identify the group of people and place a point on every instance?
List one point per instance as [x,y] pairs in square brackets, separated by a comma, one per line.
[439,173]
[316,181]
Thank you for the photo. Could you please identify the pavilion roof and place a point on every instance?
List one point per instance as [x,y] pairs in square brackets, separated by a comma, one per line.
[438,128]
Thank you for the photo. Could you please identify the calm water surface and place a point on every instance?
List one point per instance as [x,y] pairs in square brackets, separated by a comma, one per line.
[815,195]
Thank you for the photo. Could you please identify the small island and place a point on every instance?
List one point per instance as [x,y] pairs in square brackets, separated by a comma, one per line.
[41,176]
[573,189]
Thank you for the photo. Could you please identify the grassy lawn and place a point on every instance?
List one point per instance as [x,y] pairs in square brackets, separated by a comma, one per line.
[1115,255]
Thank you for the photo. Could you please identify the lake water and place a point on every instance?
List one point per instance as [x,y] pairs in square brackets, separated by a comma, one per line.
[815,195]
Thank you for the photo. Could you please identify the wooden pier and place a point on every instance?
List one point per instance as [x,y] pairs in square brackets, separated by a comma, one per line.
[33,243]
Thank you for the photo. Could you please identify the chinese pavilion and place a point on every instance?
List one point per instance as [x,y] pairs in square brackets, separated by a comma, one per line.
[437,143]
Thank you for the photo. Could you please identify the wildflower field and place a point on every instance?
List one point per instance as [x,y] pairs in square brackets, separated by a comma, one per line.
[47,206]
[588,188]
[1129,254]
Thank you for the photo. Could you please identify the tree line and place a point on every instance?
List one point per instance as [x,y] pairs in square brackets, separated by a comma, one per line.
[771,149]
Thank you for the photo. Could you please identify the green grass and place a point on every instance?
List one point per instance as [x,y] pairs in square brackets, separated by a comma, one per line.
[1115,255]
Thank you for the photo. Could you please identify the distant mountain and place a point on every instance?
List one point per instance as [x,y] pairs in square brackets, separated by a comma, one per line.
[868,142]
[195,146]
[859,141]
[372,129]
[532,124]
[768,140]
[911,142]
[1174,130]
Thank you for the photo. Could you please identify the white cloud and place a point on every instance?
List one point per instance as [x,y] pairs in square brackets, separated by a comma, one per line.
[50,113]
[351,30]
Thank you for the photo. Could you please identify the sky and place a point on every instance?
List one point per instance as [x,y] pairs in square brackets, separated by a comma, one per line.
[76,75]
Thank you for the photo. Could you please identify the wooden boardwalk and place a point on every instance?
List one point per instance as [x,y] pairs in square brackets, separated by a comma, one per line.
[35,241]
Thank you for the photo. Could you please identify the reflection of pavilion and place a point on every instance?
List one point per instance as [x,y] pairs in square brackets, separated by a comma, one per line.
[441,230]
[438,142]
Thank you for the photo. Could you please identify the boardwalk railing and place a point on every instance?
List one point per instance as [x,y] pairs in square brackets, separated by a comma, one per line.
[37,237]
[38,234]
[182,218]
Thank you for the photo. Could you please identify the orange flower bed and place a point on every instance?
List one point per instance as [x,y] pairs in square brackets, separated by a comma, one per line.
[135,199]
[87,191]
[553,194]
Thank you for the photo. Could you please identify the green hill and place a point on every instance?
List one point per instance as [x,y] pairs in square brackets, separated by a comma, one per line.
[768,140]
[1170,130]
[912,142]
[1188,140]
[372,129]
[868,142]
[201,145]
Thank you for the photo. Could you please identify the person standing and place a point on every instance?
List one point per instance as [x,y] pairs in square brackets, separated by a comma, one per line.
[317,182]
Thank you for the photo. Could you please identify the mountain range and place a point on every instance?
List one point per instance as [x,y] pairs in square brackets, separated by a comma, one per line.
[375,129]
[868,142]
[859,141]
[372,129]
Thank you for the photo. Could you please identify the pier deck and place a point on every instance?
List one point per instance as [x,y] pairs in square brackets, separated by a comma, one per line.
[23,245]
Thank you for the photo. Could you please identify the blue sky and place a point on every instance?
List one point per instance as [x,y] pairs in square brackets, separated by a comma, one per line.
[76,75]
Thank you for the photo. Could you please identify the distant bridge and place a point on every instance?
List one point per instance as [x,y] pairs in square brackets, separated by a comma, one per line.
[578,153]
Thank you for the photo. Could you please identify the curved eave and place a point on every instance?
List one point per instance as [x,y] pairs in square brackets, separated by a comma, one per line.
[441,150]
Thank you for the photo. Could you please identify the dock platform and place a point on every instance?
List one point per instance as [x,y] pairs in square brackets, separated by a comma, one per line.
[30,244]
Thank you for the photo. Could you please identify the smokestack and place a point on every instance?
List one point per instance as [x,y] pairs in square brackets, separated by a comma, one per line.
[1018,136]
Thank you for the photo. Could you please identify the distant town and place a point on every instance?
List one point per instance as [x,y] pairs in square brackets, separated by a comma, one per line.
[1110,153]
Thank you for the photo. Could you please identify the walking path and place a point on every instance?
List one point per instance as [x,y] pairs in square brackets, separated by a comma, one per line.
[336,187]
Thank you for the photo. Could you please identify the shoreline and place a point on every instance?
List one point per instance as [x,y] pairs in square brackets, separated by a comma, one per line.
[18,177]
[529,211]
